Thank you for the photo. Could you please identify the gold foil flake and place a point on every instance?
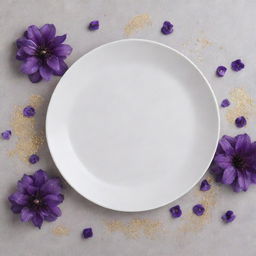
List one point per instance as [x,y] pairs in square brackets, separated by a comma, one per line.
[242,105]
[29,140]
[136,227]
[60,231]
[136,23]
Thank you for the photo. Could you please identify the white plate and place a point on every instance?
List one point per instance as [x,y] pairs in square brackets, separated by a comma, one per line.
[132,125]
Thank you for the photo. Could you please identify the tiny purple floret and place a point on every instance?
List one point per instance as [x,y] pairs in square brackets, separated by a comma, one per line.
[29,111]
[240,121]
[205,186]
[198,210]
[94,25]
[220,71]
[229,216]
[87,232]
[167,28]
[237,65]
[33,159]
[225,103]
[175,211]
[6,134]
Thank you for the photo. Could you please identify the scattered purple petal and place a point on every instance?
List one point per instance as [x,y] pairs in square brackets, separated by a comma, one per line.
[198,210]
[237,65]
[94,25]
[6,134]
[87,232]
[205,186]
[240,121]
[175,211]
[167,28]
[29,111]
[33,159]
[229,216]
[225,103]
[220,71]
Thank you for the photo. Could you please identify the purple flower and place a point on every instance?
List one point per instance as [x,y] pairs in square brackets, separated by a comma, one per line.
[198,210]
[94,25]
[42,53]
[229,216]
[234,162]
[175,211]
[87,232]
[37,198]
[29,111]
[33,159]
[225,103]
[240,122]
[205,186]
[220,71]
[6,134]
[237,65]
[167,28]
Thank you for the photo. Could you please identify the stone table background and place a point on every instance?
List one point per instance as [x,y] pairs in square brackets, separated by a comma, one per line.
[210,33]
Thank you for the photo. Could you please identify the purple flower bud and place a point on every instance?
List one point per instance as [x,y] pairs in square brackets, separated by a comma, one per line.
[225,103]
[33,159]
[167,28]
[87,232]
[29,111]
[6,134]
[220,71]
[198,210]
[229,216]
[240,121]
[205,186]
[175,211]
[237,65]
[94,25]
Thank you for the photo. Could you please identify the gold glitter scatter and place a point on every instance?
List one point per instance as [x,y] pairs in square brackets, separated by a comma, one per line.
[60,231]
[136,23]
[242,105]
[136,227]
[203,42]
[29,140]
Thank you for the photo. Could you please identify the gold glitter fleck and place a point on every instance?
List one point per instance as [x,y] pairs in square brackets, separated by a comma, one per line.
[203,42]
[136,23]
[136,227]
[242,105]
[29,140]
[60,230]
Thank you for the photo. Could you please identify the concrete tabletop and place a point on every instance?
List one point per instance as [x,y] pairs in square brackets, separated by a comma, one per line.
[210,33]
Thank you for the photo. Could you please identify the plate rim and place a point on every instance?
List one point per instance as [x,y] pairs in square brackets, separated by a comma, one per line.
[106,45]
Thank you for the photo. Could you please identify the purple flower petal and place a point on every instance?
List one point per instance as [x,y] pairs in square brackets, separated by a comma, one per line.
[240,122]
[57,41]
[229,175]
[16,208]
[198,209]
[35,78]
[29,50]
[6,134]
[223,161]
[26,214]
[175,211]
[205,186]
[33,159]
[167,28]
[94,25]
[30,66]
[51,186]
[29,111]
[243,143]
[243,180]
[55,211]
[62,70]
[63,50]
[226,146]
[37,220]
[220,71]
[21,55]
[53,200]
[34,34]
[228,217]
[225,103]
[19,198]
[53,63]
[45,72]
[237,65]
[48,31]
[87,232]
[40,177]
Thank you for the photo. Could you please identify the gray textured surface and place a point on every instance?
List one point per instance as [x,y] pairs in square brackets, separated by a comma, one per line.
[229,27]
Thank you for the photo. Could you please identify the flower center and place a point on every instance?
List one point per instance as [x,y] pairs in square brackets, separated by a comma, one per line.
[238,162]
[42,52]
[36,201]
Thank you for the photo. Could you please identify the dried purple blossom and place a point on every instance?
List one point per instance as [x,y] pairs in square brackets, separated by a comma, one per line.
[225,103]
[220,71]
[175,211]
[94,25]
[205,186]
[29,111]
[240,121]
[234,162]
[229,216]
[167,28]
[37,198]
[237,65]
[42,53]
[87,232]
[33,159]
[198,210]
[6,134]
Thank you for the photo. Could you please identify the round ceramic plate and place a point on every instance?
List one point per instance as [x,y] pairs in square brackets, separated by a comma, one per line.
[132,125]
